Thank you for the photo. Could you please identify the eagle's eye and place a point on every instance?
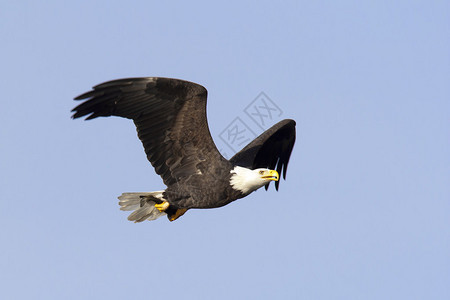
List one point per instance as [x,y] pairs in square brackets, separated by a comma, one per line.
[261,172]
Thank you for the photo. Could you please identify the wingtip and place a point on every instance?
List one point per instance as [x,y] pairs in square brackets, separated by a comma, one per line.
[277,183]
[284,171]
[78,115]
[82,96]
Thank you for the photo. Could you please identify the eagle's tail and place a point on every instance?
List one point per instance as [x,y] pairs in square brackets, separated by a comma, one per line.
[143,205]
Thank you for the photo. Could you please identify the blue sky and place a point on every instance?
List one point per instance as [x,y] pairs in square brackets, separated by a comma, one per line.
[364,213]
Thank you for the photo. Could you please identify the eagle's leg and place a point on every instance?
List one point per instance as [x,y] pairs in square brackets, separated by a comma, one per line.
[163,206]
[178,213]
[172,213]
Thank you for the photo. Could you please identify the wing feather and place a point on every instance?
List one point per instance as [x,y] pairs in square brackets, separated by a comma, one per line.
[170,118]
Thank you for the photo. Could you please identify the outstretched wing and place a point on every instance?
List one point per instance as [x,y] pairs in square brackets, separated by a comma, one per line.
[170,117]
[271,149]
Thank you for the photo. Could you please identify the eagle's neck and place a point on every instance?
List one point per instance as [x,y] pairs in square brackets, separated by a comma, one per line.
[245,180]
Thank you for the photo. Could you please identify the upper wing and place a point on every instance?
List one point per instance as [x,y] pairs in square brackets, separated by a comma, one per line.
[170,117]
[269,150]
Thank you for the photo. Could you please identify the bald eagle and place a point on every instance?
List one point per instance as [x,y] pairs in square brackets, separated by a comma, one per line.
[170,118]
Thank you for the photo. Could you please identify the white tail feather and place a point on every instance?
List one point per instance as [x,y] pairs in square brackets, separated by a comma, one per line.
[144,209]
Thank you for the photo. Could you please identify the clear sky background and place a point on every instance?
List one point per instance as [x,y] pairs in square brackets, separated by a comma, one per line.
[365,210]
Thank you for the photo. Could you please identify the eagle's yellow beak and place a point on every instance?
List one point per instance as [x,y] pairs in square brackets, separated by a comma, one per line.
[270,175]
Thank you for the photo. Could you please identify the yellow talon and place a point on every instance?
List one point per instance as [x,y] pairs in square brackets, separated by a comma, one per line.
[162,206]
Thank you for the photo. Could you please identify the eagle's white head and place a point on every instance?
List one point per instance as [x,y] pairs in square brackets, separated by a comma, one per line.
[248,180]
